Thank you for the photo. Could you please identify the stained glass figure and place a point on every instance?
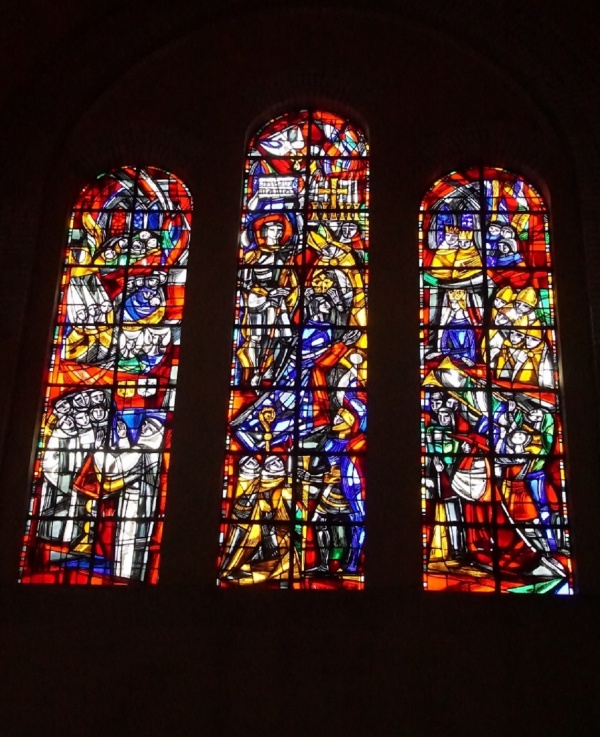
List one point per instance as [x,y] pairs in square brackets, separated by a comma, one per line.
[493,493]
[293,508]
[100,475]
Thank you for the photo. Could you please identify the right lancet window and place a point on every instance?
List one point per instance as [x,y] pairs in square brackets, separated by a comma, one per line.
[493,492]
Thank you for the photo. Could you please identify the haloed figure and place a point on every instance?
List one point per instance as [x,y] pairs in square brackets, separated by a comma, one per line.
[269,295]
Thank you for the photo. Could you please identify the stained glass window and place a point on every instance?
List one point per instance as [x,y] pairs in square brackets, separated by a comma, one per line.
[493,493]
[293,508]
[100,476]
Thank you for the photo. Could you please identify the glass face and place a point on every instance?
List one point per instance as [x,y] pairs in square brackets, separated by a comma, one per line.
[293,507]
[493,488]
[100,475]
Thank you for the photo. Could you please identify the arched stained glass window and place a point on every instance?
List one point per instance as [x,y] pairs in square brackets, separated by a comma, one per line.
[493,495]
[100,475]
[294,488]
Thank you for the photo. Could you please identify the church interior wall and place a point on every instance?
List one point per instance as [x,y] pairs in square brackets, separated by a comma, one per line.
[185,655]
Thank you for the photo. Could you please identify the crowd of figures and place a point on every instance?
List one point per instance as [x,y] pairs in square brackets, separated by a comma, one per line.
[494,500]
[100,485]
[493,494]
[99,480]
[294,488]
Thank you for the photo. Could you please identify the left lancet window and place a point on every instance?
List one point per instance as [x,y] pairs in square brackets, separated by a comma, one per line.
[293,502]
[100,475]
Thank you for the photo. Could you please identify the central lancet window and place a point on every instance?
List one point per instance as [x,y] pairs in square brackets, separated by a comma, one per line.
[493,495]
[293,509]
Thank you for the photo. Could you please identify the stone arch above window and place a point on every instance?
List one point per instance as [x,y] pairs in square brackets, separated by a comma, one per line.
[293,508]
[493,495]
[101,467]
